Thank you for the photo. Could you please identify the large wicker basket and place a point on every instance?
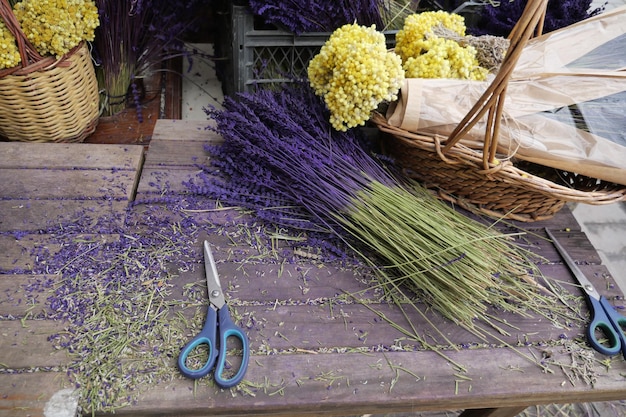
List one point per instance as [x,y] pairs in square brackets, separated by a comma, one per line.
[475,178]
[45,99]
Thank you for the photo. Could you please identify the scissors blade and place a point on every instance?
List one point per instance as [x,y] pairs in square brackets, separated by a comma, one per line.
[586,285]
[216,296]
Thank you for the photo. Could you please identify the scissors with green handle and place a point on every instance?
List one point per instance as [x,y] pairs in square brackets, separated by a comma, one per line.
[218,323]
[604,317]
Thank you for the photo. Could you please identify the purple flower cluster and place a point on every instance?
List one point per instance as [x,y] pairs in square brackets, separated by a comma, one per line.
[499,20]
[282,159]
[318,15]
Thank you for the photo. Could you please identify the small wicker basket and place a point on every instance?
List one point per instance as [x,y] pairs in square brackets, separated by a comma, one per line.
[474,178]
[45,99]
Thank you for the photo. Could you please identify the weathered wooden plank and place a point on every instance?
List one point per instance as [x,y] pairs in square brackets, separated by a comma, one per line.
[397,381]
[598,274]
[340,384]
[21,254]
[284,284]
[71,184]
[163,181]
[561,220]
[293,319]
[69,156]
[279,329]
[284,312]
[31,252]
[284,327]
[280,280]
[169,162]
[35,394]
[183,130]
[28,215]
[288,329]
[494,412]
[25,344]
[329,323]
[169,153]
[353,384]
[575,243]
[301,300]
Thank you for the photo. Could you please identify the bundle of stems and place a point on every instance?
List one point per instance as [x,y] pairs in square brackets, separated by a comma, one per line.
[318,15]
[280,151]
[394,12]
[328,15]
[133,38]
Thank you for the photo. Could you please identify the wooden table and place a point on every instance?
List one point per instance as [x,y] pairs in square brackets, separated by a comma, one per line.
[315,351]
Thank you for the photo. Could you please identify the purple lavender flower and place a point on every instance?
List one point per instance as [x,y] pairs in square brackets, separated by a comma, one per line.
[135,36]
[279,148]
[318,15]
[499,20]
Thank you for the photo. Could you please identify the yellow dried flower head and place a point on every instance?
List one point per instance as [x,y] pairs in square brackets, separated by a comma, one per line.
[418,27]
[9,54]
[426,55]
[54,27]
[354,73]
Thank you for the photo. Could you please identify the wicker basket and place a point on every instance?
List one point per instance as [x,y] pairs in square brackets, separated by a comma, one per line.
[475,178]
[46,99]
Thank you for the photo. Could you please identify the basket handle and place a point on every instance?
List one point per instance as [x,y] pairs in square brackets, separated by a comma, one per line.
[492,101]
[28,53]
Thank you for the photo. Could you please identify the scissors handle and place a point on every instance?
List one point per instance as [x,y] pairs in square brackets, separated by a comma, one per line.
[206,336]
[230,329]
[609,322]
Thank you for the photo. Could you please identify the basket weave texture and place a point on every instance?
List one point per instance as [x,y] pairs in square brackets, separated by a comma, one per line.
[476,178]
[45,99]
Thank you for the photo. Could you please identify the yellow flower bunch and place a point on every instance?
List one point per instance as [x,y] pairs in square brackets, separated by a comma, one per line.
[426,55]
[354,73]
[9,55]
[54,27]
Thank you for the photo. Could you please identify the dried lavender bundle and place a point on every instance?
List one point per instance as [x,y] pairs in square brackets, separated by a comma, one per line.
[499,18]
[318,15]
[133,39]
[279,145]
[280,151]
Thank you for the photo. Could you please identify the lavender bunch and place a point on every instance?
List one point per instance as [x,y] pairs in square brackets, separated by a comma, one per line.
[499,19]
[278,146]
[281,152]
[318,15]
[133,38]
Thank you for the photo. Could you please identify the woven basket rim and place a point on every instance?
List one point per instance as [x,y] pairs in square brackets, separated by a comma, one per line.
[489,109]
[58,104]
[503,170]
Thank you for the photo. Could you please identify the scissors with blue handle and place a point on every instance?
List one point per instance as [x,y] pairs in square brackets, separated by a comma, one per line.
[218,323]
[604,317]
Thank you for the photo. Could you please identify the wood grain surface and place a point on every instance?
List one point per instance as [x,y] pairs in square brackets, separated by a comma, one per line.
[315,349]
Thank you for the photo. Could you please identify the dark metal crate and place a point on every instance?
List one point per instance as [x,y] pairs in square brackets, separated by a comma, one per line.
[258,55]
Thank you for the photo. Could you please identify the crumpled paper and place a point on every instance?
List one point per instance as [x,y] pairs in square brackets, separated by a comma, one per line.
[562,108]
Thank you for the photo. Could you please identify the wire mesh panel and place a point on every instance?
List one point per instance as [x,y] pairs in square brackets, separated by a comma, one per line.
[263,56]
[279,64]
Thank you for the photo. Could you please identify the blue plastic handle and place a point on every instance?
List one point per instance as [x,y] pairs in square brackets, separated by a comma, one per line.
[230,329]
[609,322]
[206,336]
